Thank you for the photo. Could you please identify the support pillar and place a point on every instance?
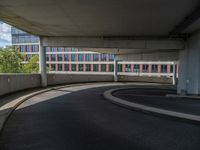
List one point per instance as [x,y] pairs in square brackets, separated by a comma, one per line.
[115,70]
[174,73]
[189,67]
[42,64]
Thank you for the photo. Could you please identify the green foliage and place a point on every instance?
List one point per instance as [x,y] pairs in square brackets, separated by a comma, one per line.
[10,60]
[32,66]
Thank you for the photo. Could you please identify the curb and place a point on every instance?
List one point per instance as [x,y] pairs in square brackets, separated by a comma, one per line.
[148,109]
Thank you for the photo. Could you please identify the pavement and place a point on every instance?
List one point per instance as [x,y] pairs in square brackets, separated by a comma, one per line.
[80,118]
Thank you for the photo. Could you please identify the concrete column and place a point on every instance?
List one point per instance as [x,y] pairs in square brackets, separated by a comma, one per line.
[189,67]
[107,65]
[123,67]
[150,68]
[141,65]
[63,59]
[168,68]
[159,69]
[115,70]
[84,65]
[174,73]
[42,64]
[92,66]
[132,67]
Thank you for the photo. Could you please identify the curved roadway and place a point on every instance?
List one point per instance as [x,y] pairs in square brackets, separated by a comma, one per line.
[79,118]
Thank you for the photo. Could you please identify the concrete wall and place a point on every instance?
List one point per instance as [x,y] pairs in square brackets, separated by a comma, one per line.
[16,82]
[162,79]
[54,79]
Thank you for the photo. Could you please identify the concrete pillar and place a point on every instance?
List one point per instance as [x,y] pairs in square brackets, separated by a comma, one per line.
[159,69]
[132,67]
[42,64]
[150,69]
[189,67]
[115,70]
[174,73]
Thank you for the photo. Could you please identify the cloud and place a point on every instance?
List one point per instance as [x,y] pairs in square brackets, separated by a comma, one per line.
[5,34]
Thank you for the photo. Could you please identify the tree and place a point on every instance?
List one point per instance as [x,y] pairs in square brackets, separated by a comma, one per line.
[10,60]
[32,66]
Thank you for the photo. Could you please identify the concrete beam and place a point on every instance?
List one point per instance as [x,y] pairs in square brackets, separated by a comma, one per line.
[98,42]
[152,56]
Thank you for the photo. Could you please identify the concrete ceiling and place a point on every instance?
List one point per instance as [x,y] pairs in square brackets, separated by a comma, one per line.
[144,18]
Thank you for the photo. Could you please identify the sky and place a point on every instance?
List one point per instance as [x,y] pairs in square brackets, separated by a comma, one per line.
[5,34]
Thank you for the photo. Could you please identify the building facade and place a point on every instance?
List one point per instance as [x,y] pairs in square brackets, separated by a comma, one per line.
[76,60]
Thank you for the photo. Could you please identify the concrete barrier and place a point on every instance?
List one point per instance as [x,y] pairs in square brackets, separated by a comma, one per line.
[15,82]
[54,79]
[162,79]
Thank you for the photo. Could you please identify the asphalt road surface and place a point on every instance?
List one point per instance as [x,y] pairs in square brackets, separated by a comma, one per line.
[79,118]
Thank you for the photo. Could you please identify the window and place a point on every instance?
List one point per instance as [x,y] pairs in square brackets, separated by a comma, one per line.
[59,67]
[73,67]
[66,57]
[119,68]
[80,57]
[111,58]
[103,57]
[53,57]
[95,57]
[35,48]
[66,67]
[53,67]
[171,68]
[28,57]
[73,56]
[66,49]
[87,57]
[163,68]
[47,57]
[103,67]
[28,48]
[145,68]
[73,49]
[88,67]
[60,49]
[22,48]
[95,68]
[154,68]
[80,67]
[128,68]
[53,49]
[59,57]
[46,49]
[111,68]
[136,68]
